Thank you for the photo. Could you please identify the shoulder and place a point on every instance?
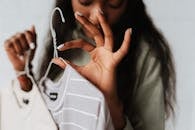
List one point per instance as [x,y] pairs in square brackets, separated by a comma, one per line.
[146,54]
[148,63]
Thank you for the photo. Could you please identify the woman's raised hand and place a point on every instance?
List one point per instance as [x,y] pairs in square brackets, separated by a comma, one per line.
[102,66]
[101,69]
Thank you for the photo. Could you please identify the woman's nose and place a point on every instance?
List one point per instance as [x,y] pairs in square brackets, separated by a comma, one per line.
[93,14]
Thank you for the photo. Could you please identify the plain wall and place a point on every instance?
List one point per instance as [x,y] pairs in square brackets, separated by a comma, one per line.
[173,17]
[176,20]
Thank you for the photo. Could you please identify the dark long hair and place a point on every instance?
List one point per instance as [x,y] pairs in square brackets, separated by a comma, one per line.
[137,18]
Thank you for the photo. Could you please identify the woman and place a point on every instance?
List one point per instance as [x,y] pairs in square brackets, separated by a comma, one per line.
[134,72]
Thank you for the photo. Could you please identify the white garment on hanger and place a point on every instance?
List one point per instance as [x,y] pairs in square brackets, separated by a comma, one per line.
[20,110]
[75,103]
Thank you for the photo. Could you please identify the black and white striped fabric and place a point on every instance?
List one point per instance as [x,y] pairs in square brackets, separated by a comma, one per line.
[76,104]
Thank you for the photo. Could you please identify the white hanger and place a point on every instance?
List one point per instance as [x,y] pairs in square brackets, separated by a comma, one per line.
[53,33]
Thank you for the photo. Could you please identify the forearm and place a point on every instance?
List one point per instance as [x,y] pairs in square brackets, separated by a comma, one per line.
[116,111]
[113,101]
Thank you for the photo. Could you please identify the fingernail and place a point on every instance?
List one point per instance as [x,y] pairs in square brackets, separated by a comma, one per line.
[32,46]
[21,58]
[78,14]
[60,46]
[130,30]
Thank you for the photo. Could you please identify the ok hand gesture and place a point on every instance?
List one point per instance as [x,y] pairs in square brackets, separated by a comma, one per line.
[101,70]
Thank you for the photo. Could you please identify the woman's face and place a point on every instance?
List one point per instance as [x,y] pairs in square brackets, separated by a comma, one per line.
[112,9]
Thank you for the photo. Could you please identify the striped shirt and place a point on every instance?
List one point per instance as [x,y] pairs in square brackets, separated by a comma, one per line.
[76,104]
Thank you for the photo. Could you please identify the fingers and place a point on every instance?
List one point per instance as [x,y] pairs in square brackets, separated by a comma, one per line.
[21,41]
[108,35]
[11,51]
[30,36]
[17,45]
[59,62]
[107,39]
[91,28]
[123,50]
[63,63]
[80,43]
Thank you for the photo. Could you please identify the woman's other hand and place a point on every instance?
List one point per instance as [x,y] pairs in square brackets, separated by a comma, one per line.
[16,48]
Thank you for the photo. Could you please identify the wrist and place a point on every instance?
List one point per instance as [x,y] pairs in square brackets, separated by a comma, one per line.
[23,72]
[25,82]
[116,111]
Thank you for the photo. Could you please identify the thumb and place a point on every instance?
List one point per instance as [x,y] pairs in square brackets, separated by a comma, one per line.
[63,63]
[58,61]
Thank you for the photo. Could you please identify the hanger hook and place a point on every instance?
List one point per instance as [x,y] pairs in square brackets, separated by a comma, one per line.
[53,33]
[51,20]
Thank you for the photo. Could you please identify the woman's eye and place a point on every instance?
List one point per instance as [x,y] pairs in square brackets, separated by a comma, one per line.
[85,2]
[116,3]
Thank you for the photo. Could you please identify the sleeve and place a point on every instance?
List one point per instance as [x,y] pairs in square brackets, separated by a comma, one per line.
[148,101]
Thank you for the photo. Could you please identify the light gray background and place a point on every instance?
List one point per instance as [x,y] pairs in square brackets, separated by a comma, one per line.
[174,17]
